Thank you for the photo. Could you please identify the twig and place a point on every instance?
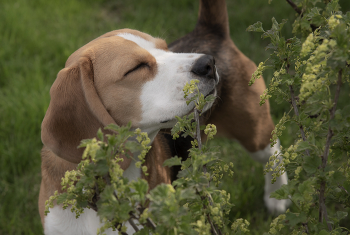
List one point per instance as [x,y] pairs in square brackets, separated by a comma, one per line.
[133,224]
[306,227]
[199,141]
[108,181]
[212,225]
[322,207]
[300,12]
[198,130]
[198,133]
[149,220]
[296,112]
[295,7]
[95,198]
[342,188]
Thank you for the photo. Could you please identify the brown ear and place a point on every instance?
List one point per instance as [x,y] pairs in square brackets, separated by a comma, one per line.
[75,111]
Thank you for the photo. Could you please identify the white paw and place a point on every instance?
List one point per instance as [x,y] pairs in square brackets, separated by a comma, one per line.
[273,205]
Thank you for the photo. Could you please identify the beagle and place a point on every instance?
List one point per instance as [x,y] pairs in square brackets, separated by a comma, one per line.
[237,113]
[122,76]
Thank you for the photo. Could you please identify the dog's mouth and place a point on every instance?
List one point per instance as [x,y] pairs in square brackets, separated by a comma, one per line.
[206,107]
[213,92]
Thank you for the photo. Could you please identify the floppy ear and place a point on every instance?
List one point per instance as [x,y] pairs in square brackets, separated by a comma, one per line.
[75,111]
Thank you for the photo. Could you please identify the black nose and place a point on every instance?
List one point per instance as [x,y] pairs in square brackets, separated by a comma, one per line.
[205,67]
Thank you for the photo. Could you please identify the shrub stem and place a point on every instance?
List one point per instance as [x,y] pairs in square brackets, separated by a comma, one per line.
[322,207]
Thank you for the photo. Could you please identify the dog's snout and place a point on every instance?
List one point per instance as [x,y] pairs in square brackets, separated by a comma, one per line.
[205,67]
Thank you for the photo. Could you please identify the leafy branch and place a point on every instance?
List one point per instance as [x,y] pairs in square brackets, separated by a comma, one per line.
[322,206]
[307,67]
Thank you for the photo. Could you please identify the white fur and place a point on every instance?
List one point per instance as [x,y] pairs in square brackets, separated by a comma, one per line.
[273,205]
[64,222]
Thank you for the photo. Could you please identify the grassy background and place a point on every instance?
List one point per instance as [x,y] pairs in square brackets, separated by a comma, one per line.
[37,37]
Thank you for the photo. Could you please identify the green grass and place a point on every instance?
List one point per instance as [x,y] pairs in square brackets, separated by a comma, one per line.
[37,37]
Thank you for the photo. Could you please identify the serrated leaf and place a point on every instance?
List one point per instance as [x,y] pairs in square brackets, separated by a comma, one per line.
[188,193]
[323,232]
[302,146]
[341,215]
[133,146]
[210,98]
[101,168]
[100,134]
[141,188]
[174,161]
[295,218]
[281,193]
[257,27]
[338,178]
[311,163]
[61,198]
[113,127]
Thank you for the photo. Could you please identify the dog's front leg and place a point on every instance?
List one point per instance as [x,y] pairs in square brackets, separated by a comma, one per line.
[273,205]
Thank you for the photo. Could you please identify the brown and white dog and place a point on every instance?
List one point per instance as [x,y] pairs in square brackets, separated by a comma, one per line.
[122,76]
[237,113]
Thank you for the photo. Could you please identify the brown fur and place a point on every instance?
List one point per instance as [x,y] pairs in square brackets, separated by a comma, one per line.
[154,162]
[237,113]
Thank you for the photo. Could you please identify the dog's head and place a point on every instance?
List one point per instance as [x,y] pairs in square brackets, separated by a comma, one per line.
[123,76]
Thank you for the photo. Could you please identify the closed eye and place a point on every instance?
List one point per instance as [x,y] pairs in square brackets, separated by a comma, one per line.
[139,66]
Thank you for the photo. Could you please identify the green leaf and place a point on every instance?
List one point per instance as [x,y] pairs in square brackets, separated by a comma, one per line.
[188,193]
[174,161]
[295,218]
[141,188]
[332,6]
[257,27]
[281,193]
[133,146]
[338,178]
[302,146]
[100,134]
[101,168]
[113,127]
[311,164]
[61,198]
[323,232]
[341,215]
[84,143]
[210,98]
[307,189]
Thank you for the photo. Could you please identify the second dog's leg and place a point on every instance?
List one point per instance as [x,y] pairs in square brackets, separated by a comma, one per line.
[273,205]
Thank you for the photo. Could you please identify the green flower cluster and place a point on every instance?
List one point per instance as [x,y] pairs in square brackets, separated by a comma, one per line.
[309,74]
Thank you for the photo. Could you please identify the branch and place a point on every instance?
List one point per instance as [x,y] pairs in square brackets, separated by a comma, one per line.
[133,224]
[296,112]
[322,207]
[198,133]
[199,140]
[300,12]
[212,225]
[150,223]
[342,188]
[295,7]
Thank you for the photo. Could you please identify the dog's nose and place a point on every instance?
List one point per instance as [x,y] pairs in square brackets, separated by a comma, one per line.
[205,67]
